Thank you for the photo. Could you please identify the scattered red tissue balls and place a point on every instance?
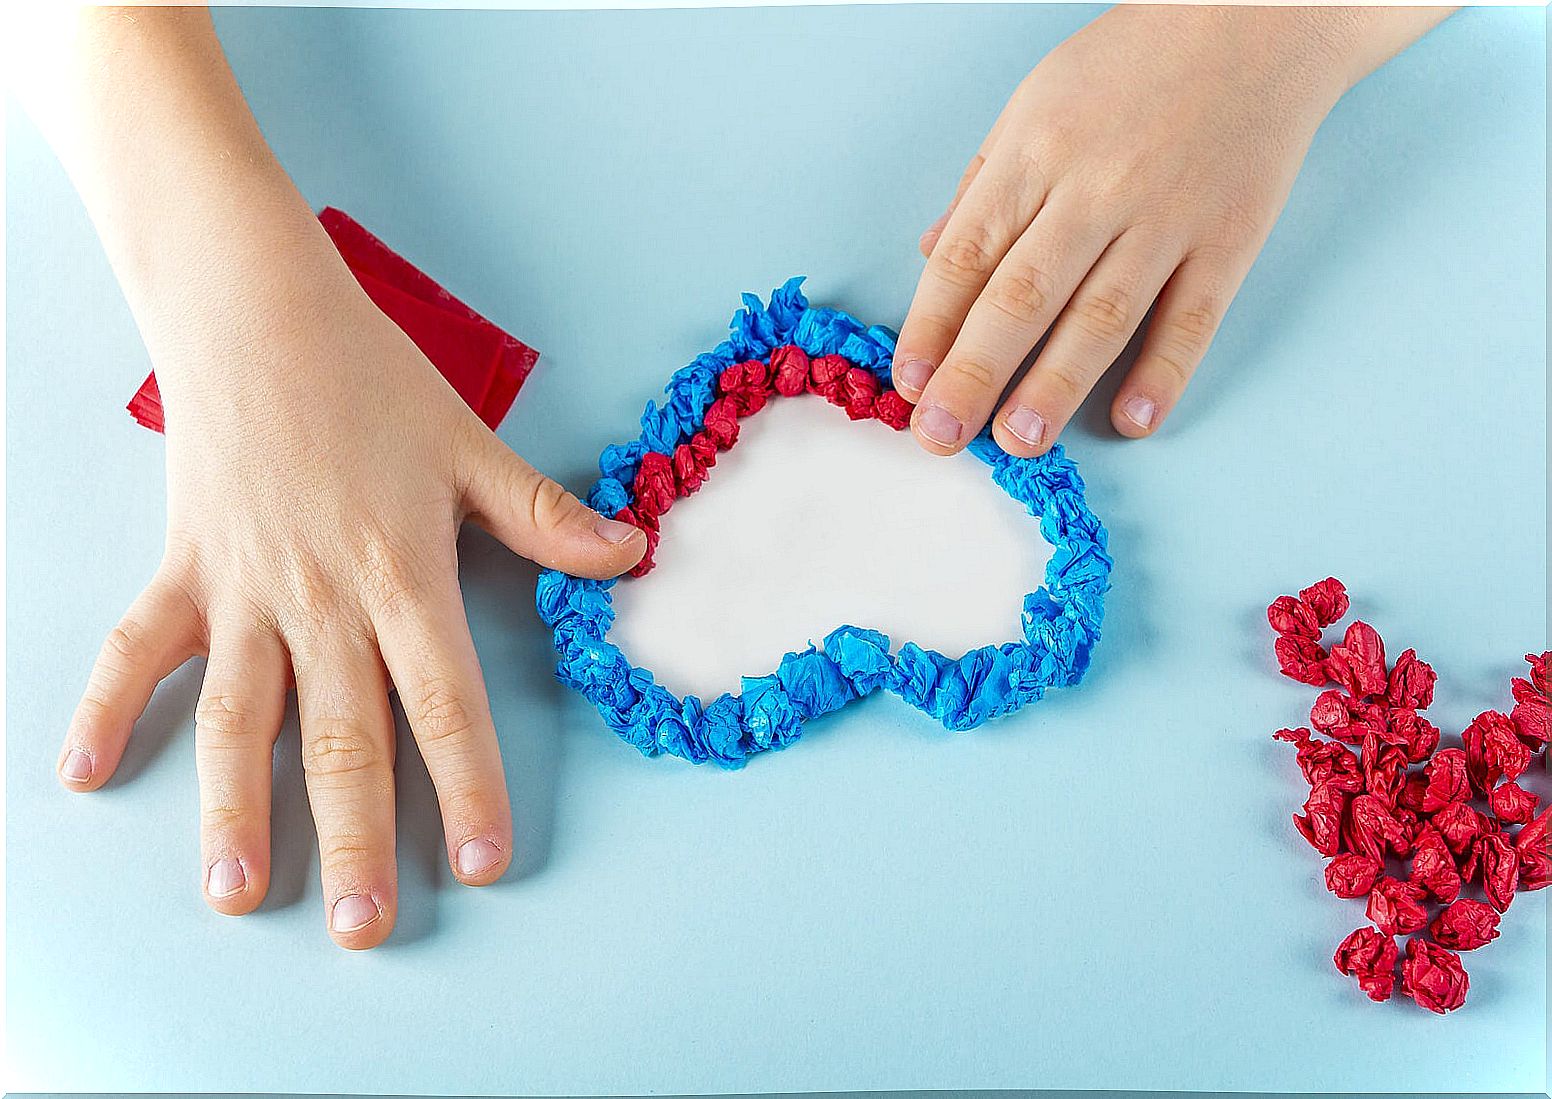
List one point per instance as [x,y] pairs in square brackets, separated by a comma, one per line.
[1409,826]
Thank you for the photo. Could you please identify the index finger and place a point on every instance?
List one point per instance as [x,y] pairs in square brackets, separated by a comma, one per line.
[1000,203]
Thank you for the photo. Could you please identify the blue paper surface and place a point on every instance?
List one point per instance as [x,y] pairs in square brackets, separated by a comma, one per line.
[1103,890]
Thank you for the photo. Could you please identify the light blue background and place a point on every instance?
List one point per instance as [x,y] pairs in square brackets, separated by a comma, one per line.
[1104,891]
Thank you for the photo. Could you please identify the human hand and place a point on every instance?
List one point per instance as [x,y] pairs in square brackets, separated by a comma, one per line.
[1145,158]
[318,469]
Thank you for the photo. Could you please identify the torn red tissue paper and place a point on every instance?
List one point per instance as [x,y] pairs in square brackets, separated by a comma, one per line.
[484,364]
[1461,834]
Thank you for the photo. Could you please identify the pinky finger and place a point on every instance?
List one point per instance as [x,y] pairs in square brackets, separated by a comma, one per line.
[159,632]
[929,239]
[1189,310]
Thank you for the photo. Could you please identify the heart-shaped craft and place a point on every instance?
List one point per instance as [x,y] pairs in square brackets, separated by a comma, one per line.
[784,349]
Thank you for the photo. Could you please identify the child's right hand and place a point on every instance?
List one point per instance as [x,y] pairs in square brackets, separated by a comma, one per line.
[1139,167]
[318,469]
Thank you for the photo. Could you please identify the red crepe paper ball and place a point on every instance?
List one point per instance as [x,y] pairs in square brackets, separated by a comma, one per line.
[1321,822]
[1541,672]
[893,409]
[1372,828]
[1358,663]
[1411,683]
[789,368]
[1352,875]
[721,423]
[1447,781]
[655,484]
[1396,907]
[1495,865]
[858,390]
[1433,976]
[1327,599]
[1535,869]
[1417,736]
[1369,956]
[1532,719]
[1460,825]
[1293,618]
[1512,804]
[1465,925]
[1493,750]
[1433,865]
[1303,660]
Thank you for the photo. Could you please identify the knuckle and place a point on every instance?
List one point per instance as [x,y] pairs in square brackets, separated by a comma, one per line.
[926,330]
[1041,146]
[347,850]
[549,504]
[965,258]
[1022,295]
[1241,220]
[395,581]
[222,715]
[1105,315]
[1068,384]
[312,594]
[94,714]
[1054,141]
[125,644]
[339,749]
[478,808]
[1175,368]
[1194,325]
[223,816]
[442,713]
[1115,181]
[976,376]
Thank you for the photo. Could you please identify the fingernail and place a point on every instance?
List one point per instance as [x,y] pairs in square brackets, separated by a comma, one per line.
[939,425]
[1027,424]
[913,373]
[77,766]
[477,856]
[226,877]
[612,530]
[1140,411]
[352,912]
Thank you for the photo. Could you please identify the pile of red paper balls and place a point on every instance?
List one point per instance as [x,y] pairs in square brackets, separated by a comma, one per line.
[1438,839]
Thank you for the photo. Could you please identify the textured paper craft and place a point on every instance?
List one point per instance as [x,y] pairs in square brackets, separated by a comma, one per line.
[1401,797]
[484,364]
[785,349]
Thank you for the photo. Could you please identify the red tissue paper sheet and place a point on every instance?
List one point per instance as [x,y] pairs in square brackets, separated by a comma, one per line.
[485,365]
[1436,841]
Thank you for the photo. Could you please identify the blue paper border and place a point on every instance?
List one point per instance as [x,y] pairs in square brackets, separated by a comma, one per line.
[1061,619]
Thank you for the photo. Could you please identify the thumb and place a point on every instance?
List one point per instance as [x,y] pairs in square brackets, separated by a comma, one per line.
[538,519]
